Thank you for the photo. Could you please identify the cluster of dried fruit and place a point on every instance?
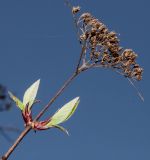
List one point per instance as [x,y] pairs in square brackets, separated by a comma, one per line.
[103,47]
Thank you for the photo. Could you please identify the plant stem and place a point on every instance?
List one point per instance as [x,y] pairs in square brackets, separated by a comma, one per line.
[80,58]
[16,143]
[56,95]
[28,128]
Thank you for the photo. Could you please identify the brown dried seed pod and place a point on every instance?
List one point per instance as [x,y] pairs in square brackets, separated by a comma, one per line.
[138,77]
[75,9]
[85,15]
[83,37]
[96,54]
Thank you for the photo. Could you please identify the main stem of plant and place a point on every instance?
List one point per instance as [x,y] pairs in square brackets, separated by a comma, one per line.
[75,74]
[28,128]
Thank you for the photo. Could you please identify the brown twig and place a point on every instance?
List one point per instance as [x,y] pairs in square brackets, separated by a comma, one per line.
[4,132]
[56,95]
[80,58]
[70,6]
[28,128]
[110,55]
[16,143]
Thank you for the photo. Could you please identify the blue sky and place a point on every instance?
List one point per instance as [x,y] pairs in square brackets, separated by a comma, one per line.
[37,40]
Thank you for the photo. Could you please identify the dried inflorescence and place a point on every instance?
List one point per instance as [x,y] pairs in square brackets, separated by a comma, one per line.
[102,47]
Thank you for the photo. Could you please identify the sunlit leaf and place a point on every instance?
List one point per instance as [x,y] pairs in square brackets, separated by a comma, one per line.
[17,101]
[30,94]
[64,113]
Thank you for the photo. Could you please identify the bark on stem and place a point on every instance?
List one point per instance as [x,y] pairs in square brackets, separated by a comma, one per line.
[57,94]
[28,128]
[12,148]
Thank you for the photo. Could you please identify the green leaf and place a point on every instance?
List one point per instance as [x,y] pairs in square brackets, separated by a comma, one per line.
[17,101]
[64,113]
[62,129]
[30,94]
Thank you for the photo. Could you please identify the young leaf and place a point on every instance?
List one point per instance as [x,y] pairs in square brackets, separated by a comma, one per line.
[17,101]
[64,113]
[62,129]
[30,94]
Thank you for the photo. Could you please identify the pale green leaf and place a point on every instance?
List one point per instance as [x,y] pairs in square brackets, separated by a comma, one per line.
[30,94]
[64,113]
[62,129]
[17,101]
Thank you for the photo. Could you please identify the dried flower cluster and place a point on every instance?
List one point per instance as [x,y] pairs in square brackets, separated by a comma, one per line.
[104,49]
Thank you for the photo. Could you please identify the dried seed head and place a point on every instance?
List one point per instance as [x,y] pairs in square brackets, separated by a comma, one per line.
[104,48]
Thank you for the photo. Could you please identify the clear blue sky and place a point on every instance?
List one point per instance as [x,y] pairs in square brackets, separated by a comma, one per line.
[37,40]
